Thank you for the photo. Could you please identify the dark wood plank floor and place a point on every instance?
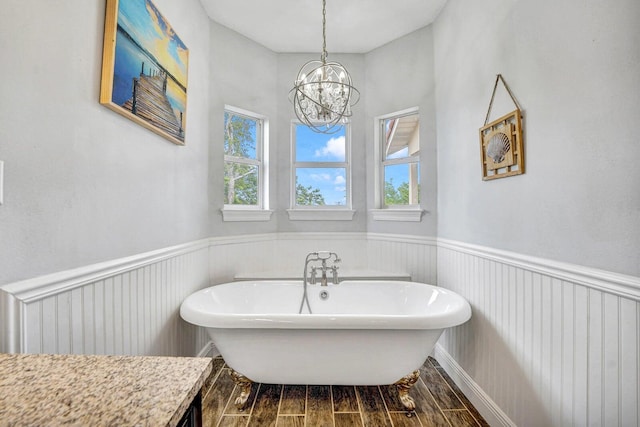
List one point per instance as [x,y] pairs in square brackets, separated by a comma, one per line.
[439,402]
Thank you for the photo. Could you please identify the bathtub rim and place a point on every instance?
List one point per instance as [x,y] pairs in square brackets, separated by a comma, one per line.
[326,321]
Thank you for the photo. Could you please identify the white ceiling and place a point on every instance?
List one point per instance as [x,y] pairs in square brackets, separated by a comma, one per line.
[353,26]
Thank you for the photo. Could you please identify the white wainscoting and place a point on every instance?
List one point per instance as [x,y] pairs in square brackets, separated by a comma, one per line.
[552,344]
[131,305]
[400,253]
[549,344]
[286,252]
[127,306]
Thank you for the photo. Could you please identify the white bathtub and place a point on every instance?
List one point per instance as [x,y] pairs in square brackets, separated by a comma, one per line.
[363,333]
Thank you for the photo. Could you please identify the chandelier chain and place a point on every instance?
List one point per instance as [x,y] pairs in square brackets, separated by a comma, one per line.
[324,31]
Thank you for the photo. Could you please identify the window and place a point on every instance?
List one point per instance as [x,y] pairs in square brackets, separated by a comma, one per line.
[398,167]
[245,165]
[321,174]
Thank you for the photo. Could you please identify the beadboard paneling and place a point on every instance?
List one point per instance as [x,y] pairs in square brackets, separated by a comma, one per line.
[548,344]
[131,307]
[403,254]
[286,252]
[547,350]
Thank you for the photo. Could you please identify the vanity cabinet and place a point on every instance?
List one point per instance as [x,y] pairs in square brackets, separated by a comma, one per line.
[193,415]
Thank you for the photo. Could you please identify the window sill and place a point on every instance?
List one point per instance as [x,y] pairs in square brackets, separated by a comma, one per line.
[321,214]
[408,215]
[238,215]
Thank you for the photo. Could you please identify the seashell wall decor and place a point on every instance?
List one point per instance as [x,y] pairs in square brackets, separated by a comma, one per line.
[501,145]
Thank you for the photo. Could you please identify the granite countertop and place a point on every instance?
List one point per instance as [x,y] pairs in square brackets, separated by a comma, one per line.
[45,389]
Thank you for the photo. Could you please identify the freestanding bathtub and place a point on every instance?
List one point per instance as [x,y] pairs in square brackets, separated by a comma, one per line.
[360,332]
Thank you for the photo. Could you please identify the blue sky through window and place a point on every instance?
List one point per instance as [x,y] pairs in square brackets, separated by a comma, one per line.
[317,147]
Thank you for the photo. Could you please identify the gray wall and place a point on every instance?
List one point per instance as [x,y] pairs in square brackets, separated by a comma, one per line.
[77,174]
[574,66]
[391,78]
[288,67]
[242,75]
[400,76]
[82,183]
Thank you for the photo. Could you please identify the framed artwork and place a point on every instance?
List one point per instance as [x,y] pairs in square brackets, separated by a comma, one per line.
[501,145]
[144,68]
[501,148]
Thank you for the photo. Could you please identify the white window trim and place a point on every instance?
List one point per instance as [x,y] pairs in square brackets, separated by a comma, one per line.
[259,212]
[321,213]
[397,214]
[411,213]
[242,215]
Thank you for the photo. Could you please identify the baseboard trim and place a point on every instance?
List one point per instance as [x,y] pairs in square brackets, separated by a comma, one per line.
[209,350]
[480,400]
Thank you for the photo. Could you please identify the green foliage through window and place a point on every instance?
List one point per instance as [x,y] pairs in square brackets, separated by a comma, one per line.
[308,196]
[240,184]
[396,195]
[242,163]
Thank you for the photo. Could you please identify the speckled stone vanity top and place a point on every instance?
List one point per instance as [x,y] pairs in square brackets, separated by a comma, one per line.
[43,390]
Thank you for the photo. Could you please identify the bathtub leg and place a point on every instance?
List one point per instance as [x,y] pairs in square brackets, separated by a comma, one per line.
[404,385]
[245,389]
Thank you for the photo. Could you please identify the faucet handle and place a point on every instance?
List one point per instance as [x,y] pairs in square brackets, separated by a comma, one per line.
[334,273]
[312,279]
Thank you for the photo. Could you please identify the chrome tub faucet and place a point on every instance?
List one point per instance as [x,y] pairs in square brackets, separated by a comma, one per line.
[312,276]
[324,257]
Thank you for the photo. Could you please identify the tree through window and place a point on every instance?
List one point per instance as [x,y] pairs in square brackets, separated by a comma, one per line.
[243,165]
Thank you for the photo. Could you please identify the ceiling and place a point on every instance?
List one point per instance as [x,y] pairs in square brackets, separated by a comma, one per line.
[353,26]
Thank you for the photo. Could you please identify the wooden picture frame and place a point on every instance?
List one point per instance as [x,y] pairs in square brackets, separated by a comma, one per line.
[501,147]
[144,68]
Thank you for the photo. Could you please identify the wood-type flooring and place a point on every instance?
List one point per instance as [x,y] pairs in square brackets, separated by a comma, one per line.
[439,402]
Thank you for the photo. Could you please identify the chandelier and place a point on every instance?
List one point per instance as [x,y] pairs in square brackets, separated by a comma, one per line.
[322,95]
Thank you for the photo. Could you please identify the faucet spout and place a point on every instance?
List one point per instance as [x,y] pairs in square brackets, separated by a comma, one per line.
[323,279]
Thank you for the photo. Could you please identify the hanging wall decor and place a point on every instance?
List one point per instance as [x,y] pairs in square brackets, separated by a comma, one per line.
[144,68]
[501,144]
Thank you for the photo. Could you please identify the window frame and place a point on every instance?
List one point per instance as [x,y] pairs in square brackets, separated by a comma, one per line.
[259,211]
[382,211]
[321,212]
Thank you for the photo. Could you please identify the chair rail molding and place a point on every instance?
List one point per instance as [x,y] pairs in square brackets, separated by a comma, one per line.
[37,288]
[602,280]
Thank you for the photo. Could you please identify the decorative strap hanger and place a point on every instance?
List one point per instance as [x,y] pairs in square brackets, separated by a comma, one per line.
[495,86]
